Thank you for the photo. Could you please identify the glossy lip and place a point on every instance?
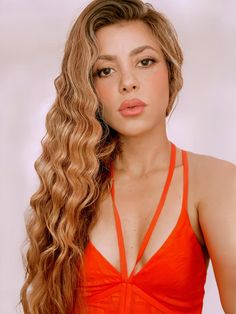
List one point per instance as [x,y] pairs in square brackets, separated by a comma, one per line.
[131,103]
[131,112]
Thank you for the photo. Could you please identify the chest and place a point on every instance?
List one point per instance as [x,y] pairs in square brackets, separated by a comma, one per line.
[136,202]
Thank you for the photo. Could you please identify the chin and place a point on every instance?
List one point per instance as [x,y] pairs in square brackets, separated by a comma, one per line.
[133,131]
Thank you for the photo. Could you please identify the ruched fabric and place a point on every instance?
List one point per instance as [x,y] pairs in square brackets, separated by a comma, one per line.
[171,281]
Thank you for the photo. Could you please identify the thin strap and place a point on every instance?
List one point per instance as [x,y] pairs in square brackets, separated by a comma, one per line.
[123,264]
[186,175]
[160,205]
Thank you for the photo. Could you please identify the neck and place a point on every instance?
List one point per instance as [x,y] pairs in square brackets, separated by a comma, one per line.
[144,154]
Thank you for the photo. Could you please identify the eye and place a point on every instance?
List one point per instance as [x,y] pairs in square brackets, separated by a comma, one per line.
[145,62]
[106,71]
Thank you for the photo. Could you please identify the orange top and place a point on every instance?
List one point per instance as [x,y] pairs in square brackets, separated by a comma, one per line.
[171,281]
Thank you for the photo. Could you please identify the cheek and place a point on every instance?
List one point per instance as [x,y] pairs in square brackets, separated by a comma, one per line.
[105,93]
[104,90]
[155,80]
[158,80]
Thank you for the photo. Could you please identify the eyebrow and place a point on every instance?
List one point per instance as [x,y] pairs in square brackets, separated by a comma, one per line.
[132,53]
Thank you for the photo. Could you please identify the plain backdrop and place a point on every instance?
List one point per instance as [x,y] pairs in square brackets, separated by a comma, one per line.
[32,38]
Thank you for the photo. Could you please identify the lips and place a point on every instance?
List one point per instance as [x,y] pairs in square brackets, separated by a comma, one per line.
[131,103]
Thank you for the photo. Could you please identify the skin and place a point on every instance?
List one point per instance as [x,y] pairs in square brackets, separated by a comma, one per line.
[139,176]
[130,77]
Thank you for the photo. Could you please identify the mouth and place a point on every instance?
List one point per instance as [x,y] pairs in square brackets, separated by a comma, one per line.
[134,111]
[135,102]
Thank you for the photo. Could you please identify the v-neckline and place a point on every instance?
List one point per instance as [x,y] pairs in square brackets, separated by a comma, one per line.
[160,204]
[178,226]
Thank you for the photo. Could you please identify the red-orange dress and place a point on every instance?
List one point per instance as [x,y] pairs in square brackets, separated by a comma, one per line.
[171,281]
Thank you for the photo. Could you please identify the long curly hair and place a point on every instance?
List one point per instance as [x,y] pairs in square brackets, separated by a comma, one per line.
[74,166]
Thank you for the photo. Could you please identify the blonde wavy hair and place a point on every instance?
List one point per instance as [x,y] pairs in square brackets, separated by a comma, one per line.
[74,166]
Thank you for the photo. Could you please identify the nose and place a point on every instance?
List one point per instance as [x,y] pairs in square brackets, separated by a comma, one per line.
[128,82]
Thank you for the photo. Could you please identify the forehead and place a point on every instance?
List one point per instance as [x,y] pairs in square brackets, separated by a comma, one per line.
[125,35]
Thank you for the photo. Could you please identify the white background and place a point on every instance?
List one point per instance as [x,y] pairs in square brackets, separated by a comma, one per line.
[32,38]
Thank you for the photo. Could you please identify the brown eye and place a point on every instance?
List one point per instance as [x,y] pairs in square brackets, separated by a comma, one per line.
[105,71]
[146,62]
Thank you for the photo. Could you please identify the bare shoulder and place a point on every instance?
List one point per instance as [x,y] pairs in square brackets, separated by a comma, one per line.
[215,183]
[210,163]
[212,176]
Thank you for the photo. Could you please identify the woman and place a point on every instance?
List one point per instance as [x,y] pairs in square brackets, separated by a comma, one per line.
[124,221]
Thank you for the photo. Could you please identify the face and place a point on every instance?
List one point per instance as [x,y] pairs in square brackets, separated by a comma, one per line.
[128,69]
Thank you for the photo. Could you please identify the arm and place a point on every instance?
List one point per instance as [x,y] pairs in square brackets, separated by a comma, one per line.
[217,218]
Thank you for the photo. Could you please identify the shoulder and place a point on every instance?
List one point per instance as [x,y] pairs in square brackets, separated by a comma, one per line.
[213,177]
[215,183]
[214,186]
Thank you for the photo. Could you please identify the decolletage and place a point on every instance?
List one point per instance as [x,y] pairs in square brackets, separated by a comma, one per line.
[171,281]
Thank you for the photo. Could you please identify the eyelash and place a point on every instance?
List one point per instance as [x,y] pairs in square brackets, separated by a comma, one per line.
[99,71]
